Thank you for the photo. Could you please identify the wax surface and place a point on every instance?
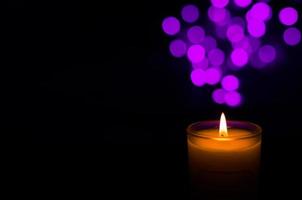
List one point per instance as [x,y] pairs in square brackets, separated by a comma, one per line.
[237,140]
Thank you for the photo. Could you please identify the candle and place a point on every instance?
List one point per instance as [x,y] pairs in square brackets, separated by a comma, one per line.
[224,159]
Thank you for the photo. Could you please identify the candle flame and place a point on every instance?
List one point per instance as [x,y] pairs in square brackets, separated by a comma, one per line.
[223,129]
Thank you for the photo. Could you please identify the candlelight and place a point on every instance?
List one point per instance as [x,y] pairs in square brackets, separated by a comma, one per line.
[223,129]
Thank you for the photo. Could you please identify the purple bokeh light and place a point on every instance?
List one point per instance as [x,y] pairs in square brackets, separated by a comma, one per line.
[171,25]
[178,48]
[235,33]
[239,57]
[204,64]
[213,76]
[209,43]
[218,15]
[190,13]
[288,16]
[219,3]
[260,11]
[233,98]
[196,53]
[238,30]
[219,95]
[292,36]
[243,3]
[198,77]
[196,34]
[256,28]
[216,57]
[249,44]
[267,53]
[230,83]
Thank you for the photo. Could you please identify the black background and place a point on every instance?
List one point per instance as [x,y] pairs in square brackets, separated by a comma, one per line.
[111,106]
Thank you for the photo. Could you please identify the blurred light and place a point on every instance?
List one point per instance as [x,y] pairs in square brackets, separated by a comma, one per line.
[196,53]
[190,13]
[204,64]
[235,33]
[288,16]
[292,36]
[171,25]
[243,3]
[196,34]
[178,48]
[209,43]
[218,15]
[216,57]
[213,76]
[256,28]
[219,3]
[230,83]
[260,11]
[218,96]
[233,99]
[267,54]
[239,57]
[198,77]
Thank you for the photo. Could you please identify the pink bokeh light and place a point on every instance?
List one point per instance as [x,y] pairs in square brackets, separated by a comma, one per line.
[230,83]
[198,77]
[216,57]
[196,53]
[190,13]
[213,76]
[218,96]
[239,57]
[178,48]
[171,25]
[288,16]
[233,98]
[196,34]
[292,36]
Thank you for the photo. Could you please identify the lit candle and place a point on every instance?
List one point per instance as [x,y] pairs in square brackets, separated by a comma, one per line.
[224,159]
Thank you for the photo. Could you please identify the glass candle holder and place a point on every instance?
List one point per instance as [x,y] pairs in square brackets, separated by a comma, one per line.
[224,167]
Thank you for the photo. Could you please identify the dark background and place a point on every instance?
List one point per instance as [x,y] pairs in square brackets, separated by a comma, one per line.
[109,114]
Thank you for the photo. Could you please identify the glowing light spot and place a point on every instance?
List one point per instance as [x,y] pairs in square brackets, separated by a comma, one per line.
[292,36]
[209,43]
[260,11]
[178,48]
[212,76]
[288,16]
[196,34]
[204,64]
[218,96]
[243,3]
[198,77]
[190,13]
[235,33]
[196,53]
[218,15]
[233,99]
[239,57]
[216,57]
[256,28]
[230,83]
[219,3]
[267,54]
[171,25]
